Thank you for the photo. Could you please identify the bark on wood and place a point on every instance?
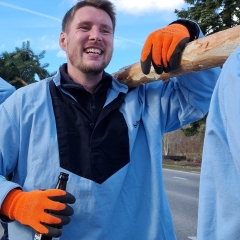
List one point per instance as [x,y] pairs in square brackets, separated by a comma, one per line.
[201,54]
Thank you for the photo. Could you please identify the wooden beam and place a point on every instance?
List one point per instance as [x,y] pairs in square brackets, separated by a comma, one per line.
[200,54]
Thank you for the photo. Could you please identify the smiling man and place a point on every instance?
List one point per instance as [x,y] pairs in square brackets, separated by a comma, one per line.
[108,138]
[88,42]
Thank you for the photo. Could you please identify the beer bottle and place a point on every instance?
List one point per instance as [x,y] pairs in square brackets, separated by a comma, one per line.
[61,184]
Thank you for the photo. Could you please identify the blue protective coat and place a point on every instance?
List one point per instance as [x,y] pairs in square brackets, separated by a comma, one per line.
[219,200]
[5,90]
[132,203]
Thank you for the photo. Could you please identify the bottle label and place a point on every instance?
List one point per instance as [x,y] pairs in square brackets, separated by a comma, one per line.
[37,236]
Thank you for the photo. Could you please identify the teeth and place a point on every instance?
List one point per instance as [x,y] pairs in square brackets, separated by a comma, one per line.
[93,50]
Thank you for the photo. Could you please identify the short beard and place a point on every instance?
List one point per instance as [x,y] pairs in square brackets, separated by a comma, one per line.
[90,70]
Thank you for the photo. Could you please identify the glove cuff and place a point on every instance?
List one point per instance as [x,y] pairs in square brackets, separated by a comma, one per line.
[8,202]
[192,27]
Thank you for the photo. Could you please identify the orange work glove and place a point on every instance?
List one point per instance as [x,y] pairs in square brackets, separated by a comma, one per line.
[163,48]
[39,209]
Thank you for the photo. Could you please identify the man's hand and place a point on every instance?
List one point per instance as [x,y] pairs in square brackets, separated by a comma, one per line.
[39,209]
[163,48]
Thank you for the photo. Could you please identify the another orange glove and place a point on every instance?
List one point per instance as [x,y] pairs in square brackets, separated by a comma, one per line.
[39,209]
[163,48]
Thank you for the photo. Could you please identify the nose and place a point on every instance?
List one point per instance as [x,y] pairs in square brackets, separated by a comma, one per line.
[95,35]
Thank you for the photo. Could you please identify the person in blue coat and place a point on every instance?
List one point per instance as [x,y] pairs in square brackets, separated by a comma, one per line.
[5,91]
[219,196]
[107,137]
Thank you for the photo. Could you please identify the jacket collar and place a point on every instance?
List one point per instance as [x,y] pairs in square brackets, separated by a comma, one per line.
[114,90]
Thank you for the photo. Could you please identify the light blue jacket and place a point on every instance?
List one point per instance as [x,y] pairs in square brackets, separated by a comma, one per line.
[219,200]
[5,90]
[132,203]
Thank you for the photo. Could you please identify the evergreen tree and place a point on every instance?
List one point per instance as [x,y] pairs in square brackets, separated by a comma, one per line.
[20,66]
[212,16]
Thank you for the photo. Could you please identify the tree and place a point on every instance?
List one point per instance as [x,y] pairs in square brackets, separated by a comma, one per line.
[176,143]
[20,66]
[212,16]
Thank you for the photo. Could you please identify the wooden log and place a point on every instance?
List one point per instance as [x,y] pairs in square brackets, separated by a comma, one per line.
[200,54]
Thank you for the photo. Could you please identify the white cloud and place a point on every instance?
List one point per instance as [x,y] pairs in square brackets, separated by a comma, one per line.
[2,47]
[51,46]
[43,38]
[141,6]
[19,43]
[145,6]
[48,44]
[235,18]
[61,54]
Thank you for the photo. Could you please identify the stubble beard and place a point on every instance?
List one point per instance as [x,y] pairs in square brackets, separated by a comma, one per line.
[87,69]
[91,70]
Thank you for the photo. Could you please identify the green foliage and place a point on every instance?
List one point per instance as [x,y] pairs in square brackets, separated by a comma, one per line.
[195,128]
[20,66]
[212,16]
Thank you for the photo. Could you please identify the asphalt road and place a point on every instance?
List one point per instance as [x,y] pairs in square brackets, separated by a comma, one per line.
[182,191]
[1,231]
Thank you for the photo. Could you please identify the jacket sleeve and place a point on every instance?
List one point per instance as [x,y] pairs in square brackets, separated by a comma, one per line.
[230,85]
[182,100]
[219,194]
[9,149]
[192,27]
[5,90]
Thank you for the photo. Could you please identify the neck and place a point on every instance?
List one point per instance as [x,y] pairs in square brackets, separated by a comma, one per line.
[88,80]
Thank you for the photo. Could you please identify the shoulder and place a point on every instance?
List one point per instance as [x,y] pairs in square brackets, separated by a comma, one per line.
[230,74]
[5,90]
[32,95]
[5,85]
[34,88]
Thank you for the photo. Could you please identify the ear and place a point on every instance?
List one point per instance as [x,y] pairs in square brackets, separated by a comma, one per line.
[63,40]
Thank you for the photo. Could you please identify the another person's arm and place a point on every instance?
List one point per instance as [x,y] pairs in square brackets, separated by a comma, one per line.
[5,90]
[29,208]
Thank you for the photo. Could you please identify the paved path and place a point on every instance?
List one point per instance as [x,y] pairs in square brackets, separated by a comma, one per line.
[182,191]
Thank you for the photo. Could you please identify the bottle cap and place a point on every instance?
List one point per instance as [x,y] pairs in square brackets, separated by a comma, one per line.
[63,176]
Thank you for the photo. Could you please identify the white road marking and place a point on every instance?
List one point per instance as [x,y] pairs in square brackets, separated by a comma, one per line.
[171,170]
[193,238]
[181,178]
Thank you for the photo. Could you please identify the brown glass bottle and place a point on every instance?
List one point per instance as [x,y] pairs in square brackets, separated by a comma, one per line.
[61,184]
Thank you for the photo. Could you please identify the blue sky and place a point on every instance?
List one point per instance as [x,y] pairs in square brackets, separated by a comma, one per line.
[40,23]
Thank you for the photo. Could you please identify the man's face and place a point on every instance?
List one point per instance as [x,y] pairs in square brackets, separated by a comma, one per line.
[89,40]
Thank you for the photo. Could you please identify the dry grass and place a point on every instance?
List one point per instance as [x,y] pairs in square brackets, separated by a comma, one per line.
[183,165]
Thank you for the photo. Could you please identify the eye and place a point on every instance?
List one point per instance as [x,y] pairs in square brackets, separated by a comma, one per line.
[105,31]
[84,28]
